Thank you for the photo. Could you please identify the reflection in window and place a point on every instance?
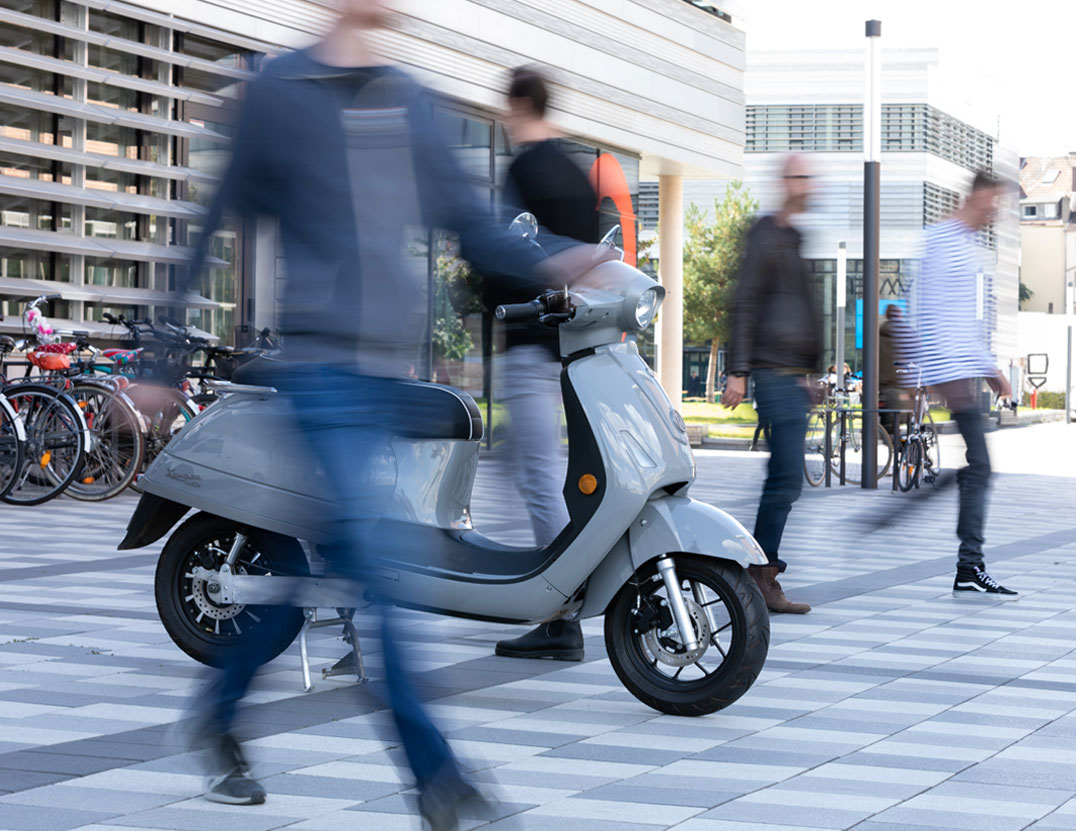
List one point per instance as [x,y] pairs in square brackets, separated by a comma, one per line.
[108,272]
[104,223]
[470,138]
[35,214]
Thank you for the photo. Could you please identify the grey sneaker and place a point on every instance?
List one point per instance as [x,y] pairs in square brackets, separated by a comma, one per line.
[234,788]
[230,781]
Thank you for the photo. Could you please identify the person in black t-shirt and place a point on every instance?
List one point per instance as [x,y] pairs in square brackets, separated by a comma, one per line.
[546,182]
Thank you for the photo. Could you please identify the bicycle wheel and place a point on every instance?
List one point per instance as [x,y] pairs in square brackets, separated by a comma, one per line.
[56,442]
[853,450]
[115,457]
[931,450]
[814,449]
[911,462]
[12,441]
[166,411]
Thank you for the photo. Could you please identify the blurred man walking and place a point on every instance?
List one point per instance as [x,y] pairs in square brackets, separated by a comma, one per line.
[546,182]
[954,355]
[342,151]
[776,339]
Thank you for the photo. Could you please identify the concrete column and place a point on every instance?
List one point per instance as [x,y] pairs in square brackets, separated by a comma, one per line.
[670,332]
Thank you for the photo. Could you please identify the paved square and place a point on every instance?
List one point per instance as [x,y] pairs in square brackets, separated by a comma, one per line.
[890,707]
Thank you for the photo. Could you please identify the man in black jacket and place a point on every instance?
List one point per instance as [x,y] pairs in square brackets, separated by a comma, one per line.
[776,338]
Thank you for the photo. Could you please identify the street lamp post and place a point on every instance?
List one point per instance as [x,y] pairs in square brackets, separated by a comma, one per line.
[842,283]
[872,151]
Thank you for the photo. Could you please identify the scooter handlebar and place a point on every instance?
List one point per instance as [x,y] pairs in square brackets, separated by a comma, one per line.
[510,312]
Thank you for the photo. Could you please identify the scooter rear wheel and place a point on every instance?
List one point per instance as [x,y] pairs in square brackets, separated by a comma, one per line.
[212,633]
[731,625]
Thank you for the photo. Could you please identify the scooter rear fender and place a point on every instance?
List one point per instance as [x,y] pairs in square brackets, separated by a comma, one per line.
[152,519]
[669,525]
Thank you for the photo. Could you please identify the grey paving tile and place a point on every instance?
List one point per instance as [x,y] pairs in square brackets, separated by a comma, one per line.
[611,753]
[38,818]
[532,822]
[682,793]
[29,760]
[784,815]
[328,787]
[186,819]
[21,780]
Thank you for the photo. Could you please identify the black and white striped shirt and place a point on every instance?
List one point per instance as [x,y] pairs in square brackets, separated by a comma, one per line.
[952,336]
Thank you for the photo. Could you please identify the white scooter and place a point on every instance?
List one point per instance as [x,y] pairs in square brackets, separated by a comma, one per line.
[686,628]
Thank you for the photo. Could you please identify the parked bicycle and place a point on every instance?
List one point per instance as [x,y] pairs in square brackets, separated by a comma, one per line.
[920,456]
[844,449]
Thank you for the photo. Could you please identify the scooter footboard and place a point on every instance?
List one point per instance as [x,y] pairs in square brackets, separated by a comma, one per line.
[671,524]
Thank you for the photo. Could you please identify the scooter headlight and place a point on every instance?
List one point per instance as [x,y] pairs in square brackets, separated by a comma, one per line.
[646,308]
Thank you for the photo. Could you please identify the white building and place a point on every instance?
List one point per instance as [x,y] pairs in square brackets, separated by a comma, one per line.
[113,114]
[935,135]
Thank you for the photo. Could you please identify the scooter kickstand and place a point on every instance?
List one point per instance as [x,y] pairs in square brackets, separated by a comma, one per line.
[311,616]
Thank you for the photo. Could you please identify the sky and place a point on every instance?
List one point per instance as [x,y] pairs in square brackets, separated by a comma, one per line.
[1028,46]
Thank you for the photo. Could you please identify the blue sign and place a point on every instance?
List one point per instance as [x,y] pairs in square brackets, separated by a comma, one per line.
[882,306]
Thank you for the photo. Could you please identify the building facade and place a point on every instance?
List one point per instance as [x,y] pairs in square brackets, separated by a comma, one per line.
[115,117]
[933,140]
[1048,233]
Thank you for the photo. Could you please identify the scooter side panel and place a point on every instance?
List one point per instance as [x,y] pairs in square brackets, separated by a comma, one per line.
[680,524]
[640,449]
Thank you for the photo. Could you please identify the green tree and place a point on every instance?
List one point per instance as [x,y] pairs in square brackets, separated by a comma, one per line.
[712,253]
[456,293]
[1025,294]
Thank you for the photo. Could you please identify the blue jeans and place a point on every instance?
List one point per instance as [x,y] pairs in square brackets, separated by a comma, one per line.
[974,480]
[783,402]
[344,417]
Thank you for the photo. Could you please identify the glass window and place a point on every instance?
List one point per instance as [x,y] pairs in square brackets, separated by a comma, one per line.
[109,272]
[111,224]
[471,139]
[37,214]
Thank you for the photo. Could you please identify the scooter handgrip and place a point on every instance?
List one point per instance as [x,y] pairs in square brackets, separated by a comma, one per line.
[509,312]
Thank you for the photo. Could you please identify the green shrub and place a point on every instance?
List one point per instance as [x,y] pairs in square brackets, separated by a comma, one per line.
[1051,401]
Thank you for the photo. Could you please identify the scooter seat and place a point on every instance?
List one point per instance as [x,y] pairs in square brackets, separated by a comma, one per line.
[422,410]
[437,411]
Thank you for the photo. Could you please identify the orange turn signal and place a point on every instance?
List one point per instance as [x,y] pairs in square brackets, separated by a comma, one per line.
[587,484]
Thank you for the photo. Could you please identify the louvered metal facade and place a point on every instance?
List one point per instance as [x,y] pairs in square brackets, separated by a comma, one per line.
[113,122]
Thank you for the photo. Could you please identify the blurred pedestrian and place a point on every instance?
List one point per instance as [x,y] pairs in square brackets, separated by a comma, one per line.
[896,347]
[954,355]
[776,338]
[544,181]
[342,150]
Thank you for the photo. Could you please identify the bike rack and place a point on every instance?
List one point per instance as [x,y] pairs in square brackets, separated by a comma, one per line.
[842,416]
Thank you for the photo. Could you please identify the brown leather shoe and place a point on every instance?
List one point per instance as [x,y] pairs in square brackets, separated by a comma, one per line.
[766,577]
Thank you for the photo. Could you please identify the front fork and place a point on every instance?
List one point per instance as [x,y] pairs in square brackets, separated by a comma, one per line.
[667,570]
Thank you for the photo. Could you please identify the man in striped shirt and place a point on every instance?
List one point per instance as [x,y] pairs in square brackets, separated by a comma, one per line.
[954,355]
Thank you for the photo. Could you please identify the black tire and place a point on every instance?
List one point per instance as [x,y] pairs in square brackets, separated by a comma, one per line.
[208,631]
[741,609]
[118,446]
[814,449]
[911,461]
[853,450]
[11,448]
[55,442]
[931,450]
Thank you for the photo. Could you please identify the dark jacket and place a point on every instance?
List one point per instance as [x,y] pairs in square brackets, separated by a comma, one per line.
[775,322]
[349,161]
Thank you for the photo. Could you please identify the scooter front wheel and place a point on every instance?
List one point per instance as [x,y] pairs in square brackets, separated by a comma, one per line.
[732,631]
[210,632]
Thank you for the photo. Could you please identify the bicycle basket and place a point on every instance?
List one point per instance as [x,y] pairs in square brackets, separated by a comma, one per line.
[49,361]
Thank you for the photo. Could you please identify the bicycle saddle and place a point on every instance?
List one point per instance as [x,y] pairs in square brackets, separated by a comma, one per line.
[122,356]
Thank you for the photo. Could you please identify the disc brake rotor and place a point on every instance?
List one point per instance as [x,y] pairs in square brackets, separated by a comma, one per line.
[202,601]
[660,642]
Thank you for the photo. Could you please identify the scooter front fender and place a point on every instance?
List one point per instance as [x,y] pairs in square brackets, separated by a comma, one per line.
[152,519]
[669,525]
[679,524]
